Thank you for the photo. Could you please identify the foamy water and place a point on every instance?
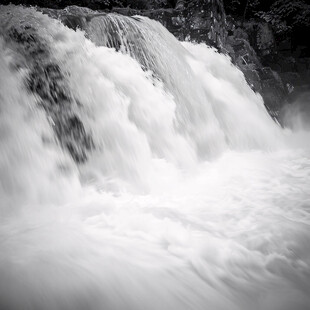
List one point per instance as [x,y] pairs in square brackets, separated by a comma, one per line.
[193,198]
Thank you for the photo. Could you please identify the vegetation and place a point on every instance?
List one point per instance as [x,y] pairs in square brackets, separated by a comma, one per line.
[284,15]
[290,19]
[287,15]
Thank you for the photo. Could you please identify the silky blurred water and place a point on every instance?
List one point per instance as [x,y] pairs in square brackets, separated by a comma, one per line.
[192,198]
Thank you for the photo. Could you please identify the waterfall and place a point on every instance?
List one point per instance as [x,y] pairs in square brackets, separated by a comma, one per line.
[194,75]
[140,172]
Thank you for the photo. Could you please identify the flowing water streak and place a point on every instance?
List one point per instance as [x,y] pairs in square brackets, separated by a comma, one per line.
[163,228]
[204,111]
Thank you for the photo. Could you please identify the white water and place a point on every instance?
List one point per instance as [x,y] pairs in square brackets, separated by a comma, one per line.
[193,199]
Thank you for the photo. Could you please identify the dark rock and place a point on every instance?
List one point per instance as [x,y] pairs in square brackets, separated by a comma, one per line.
[196,21]
[247,44]
[205,22]
[48,82]
[71,132]
[260,36]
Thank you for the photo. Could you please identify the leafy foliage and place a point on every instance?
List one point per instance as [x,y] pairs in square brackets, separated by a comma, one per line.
[283,15]
[287,15]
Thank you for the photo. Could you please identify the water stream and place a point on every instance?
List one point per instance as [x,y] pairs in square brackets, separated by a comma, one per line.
[139,172]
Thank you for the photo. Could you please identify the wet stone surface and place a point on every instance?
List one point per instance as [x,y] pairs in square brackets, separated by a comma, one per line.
[48,83]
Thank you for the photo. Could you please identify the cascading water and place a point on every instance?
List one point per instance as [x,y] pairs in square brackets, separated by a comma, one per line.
[137,172]
[203,112]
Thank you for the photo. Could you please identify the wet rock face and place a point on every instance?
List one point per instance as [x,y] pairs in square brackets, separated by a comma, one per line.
[71,132]
[246,45]
[48,82]
[260,36]
[281,71]
[206,22]
[190,20]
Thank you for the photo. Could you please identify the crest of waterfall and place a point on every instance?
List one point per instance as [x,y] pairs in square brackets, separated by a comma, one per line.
[211,95]
[159,52]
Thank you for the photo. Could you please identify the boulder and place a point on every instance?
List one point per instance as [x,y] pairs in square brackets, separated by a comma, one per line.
[46,80]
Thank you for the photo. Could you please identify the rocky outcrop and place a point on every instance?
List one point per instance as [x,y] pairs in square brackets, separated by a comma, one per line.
[205,21]
[290,66]
[46,80]
[195,21]
[247,44]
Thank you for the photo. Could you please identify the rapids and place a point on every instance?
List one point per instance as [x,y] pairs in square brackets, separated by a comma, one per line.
[172,188]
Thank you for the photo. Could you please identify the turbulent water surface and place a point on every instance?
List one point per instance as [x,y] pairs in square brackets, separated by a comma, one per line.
[137,172]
